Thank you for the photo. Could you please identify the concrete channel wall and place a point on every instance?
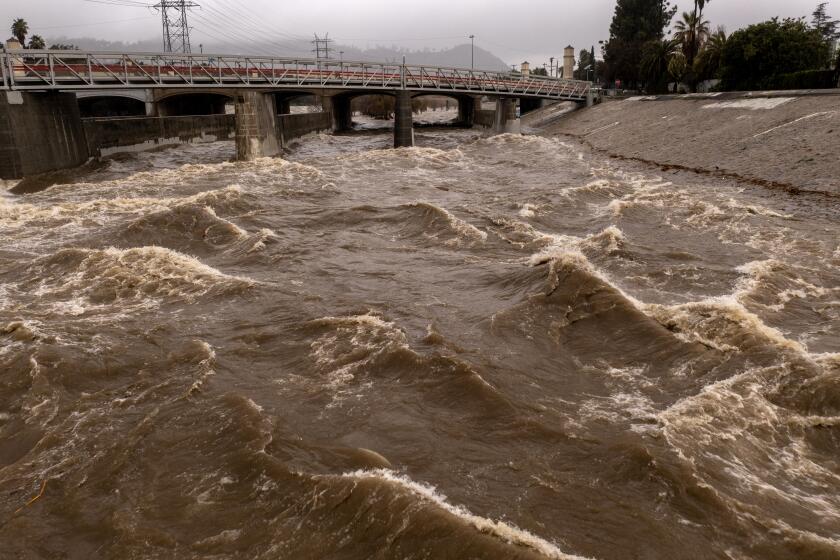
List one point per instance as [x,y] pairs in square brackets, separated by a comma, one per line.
[110,135]
[785,139]
[485,118]
[39,133]
[301,124]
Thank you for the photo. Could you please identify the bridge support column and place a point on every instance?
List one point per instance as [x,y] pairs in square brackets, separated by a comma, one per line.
[466,112]
[39,132]
[590,99]
[403,120]
[506,116]
[256,126]
[342,113]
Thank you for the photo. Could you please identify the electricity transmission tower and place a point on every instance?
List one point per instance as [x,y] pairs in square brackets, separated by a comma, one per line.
[322,47]
[176,30]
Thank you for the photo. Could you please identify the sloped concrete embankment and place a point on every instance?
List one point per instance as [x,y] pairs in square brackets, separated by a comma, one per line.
[788,140]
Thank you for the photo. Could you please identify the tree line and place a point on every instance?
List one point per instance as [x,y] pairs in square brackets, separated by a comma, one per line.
[20,29]
[775,54]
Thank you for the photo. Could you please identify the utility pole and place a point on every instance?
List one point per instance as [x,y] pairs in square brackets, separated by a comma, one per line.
[551,62]
[472,58]
[322,47]
[176,29]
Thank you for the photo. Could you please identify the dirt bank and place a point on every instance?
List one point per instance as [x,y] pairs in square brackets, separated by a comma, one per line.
[789,141]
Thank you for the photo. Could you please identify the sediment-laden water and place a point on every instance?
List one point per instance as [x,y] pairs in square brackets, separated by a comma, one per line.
[502,347]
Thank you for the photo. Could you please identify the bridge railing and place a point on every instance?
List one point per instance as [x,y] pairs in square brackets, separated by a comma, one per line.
[74,70]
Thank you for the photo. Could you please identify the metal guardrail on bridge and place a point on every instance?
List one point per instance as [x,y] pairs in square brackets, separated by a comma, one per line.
[79,70]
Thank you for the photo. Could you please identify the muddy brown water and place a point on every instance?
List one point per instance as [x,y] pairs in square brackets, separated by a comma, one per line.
[483,347]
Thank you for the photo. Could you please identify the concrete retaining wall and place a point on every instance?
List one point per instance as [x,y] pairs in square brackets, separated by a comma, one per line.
[485,118]
[111,135]
[301,124]
[39,133]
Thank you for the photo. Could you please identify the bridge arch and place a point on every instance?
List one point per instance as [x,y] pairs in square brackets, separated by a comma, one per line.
[107,105]
[284,100]
[193,103]
[466,105]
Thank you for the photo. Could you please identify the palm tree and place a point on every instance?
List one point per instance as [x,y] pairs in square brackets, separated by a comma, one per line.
[37,43]
[19,30]
[691,33]
[653,68]
[708,60]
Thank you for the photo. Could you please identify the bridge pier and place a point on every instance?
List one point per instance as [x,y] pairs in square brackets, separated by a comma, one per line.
[506,116]
[256,126]
[403,120]
[342,112]
[466,111]
[39,132]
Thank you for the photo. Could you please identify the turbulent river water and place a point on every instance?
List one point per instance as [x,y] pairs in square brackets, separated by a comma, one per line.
[483,347]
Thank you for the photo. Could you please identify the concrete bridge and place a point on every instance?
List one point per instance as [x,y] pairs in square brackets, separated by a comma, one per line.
[41,90]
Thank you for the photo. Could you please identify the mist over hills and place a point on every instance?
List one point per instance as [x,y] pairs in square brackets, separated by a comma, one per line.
[458,56]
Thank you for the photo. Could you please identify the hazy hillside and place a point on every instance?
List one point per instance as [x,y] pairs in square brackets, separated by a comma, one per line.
[455,56]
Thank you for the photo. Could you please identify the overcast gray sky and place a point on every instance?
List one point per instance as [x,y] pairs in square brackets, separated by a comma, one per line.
[514,31]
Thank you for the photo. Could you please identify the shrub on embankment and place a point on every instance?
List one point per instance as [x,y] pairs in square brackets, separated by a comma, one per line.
[807,79]
[776,54]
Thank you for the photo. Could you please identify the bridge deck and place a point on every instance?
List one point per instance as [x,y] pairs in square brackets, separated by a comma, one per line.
[79,70]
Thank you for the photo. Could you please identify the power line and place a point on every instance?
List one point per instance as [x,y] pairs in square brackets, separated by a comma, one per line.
[91,24]
[248,32]
[224,35]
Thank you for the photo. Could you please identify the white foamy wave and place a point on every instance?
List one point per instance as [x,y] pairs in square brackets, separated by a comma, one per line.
[563,246]
[498,529]
[462,229]
[35,221]
[777,282]
[351,344]
[74,280]
[528,210]
[722,323]
[417,157]
[755,455]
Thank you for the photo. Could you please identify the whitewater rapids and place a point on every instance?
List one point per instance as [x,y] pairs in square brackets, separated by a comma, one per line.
[482,347]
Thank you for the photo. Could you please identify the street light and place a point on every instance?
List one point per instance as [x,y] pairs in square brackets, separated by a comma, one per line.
[472,58]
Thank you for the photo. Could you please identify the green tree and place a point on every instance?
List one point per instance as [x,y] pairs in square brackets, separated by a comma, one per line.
[634,23]
[19,31]
[823,23]
[678,68]
[756,56]
[584,61]
[63,47]
[653,70]
[37,43]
